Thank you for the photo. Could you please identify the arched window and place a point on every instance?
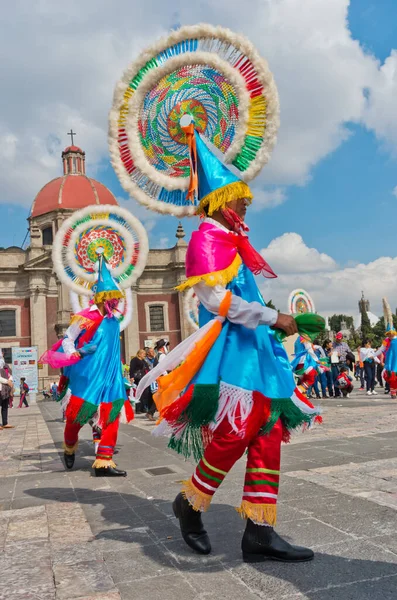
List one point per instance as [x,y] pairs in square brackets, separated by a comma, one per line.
[47,236]
[8,323]
[156,316]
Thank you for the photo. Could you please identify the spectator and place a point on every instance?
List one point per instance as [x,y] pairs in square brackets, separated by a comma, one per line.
[6,392]
[327,347]
[338,358]
[138,368]
[367,356]
[321,377]
[344,382]
[147,396]
[23,392]
[162,350]
[54,390]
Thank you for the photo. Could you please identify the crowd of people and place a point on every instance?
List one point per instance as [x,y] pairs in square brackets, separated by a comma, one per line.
[341,366]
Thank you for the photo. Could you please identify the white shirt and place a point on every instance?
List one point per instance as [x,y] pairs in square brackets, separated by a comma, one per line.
[249,314]
[366,354]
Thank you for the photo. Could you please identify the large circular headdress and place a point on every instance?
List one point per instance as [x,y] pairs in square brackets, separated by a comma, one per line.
[300,302]
[124,308]
[211,74]
[108,230]
[191,307]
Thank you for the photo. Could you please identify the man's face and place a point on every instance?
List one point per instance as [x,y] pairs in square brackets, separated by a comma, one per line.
[150,353]
[239,206]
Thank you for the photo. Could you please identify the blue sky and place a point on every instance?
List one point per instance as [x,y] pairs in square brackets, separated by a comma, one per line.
[341,210]
[338,189]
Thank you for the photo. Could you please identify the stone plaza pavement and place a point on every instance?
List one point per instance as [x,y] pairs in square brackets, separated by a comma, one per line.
[67,535]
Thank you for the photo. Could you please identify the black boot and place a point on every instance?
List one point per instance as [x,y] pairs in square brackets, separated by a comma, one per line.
[191,525]
[69,460]
[261,543]
[109,472]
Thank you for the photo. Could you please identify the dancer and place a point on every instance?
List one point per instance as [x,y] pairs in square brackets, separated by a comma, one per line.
[229,388]
[389,349]
[92,386]
[306,364]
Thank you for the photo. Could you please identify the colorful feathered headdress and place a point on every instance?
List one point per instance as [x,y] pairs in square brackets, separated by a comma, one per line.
[217,80]
[388,315]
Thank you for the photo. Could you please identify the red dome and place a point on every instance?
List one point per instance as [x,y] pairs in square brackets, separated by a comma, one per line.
[73,149]
[70,192]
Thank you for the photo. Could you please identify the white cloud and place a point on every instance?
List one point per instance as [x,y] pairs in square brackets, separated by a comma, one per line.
[64,59]
[289,254]
[394,192]
[267,198]
[334,289]
[380,111]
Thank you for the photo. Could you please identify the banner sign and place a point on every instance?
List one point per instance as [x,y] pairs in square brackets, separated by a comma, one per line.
[24,364]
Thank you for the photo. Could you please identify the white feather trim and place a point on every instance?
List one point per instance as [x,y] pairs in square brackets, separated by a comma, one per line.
[62,254]
[188,305]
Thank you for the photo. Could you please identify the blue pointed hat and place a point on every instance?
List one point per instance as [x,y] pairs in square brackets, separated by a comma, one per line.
[107,288]
[213,182]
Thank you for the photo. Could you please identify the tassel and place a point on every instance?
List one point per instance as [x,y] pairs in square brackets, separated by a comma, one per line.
[191,142]
[260,513]
[219,198]
[101,462]
[197,499]
[70,449]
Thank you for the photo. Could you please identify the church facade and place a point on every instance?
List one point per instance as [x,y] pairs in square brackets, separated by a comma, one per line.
[35,307]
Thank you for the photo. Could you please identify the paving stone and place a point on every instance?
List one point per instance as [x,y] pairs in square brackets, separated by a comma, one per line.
[168,587]
[83,579]
[137,563]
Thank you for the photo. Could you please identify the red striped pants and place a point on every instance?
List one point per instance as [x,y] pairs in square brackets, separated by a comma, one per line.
[259,501]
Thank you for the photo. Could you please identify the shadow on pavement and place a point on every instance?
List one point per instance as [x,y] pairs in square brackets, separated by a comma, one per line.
[158,539]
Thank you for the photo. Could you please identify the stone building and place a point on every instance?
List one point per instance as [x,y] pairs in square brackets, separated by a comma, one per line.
[35,306]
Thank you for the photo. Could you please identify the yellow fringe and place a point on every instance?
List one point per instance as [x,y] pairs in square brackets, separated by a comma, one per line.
[70,449]
[220,197]
[197,499]
[261,513]
[101,462]
[103,296]
[215,278]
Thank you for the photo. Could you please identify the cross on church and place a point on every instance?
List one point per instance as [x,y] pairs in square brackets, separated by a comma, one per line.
[72,133]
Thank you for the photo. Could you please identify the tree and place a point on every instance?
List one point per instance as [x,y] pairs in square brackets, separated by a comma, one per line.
[270,304]
[336,320]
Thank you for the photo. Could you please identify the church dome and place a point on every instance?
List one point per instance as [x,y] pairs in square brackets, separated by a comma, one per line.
[72,191]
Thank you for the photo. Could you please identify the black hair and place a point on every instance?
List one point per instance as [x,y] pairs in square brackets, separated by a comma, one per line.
[344,370]
[325,343]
